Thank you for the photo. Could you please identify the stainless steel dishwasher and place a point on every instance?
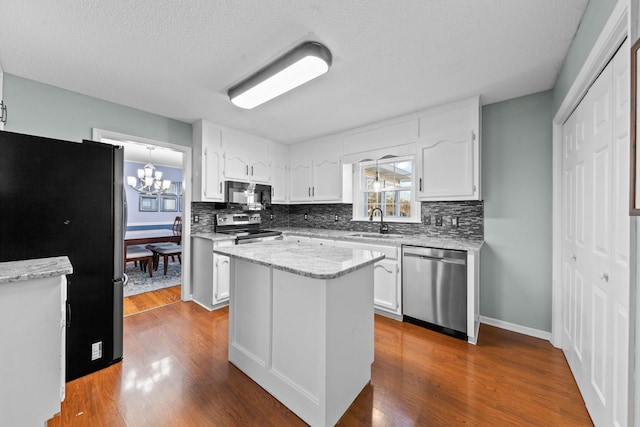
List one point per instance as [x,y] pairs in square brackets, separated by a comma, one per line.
[434,289]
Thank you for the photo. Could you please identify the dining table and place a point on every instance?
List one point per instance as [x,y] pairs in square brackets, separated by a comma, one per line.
[144,237]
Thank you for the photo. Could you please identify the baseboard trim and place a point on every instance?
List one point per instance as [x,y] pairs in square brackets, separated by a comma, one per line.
[525,330]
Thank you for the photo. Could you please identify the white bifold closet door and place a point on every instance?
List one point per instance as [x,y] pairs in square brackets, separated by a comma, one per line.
[596,244]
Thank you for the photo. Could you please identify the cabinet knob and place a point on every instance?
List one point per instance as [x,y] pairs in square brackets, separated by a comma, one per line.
[604,276]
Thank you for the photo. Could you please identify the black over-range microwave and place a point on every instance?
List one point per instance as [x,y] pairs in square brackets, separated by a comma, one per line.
[248,196]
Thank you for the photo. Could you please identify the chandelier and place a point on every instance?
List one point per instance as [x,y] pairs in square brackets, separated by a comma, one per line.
[149,180]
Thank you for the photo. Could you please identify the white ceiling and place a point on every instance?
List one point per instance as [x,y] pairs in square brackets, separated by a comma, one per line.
[390,57]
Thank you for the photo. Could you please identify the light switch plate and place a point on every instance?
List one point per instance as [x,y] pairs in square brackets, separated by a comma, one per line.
[438,220]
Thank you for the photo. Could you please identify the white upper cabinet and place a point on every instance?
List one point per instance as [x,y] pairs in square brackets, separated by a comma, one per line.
[207,163]
[246,157]
[326,180]
[446,167]
[279,155]
[301,180]
[315,172]
[448,152]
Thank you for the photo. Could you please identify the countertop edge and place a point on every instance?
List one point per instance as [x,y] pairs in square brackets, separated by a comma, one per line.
[305,273]
[414,240]
[213,236]
[39,268]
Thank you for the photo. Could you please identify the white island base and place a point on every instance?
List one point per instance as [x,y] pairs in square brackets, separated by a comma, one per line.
[307,341]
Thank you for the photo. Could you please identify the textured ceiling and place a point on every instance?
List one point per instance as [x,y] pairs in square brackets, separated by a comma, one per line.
[177,58]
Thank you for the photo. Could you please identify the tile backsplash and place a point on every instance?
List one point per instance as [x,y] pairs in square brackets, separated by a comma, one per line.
[469,214]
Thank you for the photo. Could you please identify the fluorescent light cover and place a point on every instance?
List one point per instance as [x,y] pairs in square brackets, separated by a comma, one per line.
[304,63]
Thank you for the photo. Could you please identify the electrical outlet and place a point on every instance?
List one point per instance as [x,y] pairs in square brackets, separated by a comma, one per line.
[335,218]
[96,350]
[426,220]
[271,217]
[305,217]
[438,220]
[196,218]
[454,222]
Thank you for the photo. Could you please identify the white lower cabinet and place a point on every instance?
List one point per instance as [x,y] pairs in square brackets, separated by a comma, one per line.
[221,278]
[387,289]
[210,273]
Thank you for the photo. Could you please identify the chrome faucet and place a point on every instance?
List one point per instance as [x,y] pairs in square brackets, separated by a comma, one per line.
[384,228]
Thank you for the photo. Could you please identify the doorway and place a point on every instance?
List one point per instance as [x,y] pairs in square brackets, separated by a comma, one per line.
[596,248]
[178,157]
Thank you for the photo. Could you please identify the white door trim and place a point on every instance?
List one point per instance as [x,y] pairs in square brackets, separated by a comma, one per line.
[613,34]
[98,134]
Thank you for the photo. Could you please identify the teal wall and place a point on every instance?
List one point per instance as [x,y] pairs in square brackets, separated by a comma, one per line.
[517,188]
[39,109]
[593,21]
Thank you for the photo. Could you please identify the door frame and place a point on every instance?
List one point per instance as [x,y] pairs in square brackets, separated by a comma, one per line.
[613,34]
[99,134]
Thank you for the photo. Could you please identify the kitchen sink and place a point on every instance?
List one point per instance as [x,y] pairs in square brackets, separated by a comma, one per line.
[376,235]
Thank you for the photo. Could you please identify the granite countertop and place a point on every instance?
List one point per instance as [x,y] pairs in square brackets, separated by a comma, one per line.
[388,239]
[214,237]
[317,262]
[40,268]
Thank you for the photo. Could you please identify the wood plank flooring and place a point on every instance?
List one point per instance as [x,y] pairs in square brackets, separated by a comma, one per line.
[149,300]
[175,373]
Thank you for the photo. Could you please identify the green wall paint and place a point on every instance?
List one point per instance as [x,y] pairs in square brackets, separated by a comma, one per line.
[39,109]
[517,188]
[593,21]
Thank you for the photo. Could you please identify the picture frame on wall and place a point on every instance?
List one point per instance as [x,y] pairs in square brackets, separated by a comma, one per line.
[169,204]
[634,187]
[148,203]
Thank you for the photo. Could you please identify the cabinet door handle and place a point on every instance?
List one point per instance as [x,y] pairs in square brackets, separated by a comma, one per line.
[3,112]
[272,192]
[247,172]
[313,191]
[221,188]
[309,188]
[420,181]
[251,170]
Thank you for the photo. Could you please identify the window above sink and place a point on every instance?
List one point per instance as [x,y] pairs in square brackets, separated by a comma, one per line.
[387,184]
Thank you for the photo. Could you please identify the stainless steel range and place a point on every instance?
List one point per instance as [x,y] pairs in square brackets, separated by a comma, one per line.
[245,226]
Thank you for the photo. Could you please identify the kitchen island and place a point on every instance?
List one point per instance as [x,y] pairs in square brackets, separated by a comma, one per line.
[301,323]
[33,294]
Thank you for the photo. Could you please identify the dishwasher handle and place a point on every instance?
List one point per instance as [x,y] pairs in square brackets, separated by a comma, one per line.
[438,259]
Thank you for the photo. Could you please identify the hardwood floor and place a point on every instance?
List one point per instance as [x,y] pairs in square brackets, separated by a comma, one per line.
[175,373]
[142,302]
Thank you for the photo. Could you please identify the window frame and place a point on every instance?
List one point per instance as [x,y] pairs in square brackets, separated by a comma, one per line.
[360,191]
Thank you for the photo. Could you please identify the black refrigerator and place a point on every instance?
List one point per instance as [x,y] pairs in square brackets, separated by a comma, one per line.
[66,198]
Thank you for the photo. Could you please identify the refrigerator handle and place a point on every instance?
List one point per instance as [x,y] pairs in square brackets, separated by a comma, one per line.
[68,314]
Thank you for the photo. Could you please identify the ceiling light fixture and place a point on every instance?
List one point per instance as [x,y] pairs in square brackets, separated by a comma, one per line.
[149,180]
[302,64]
